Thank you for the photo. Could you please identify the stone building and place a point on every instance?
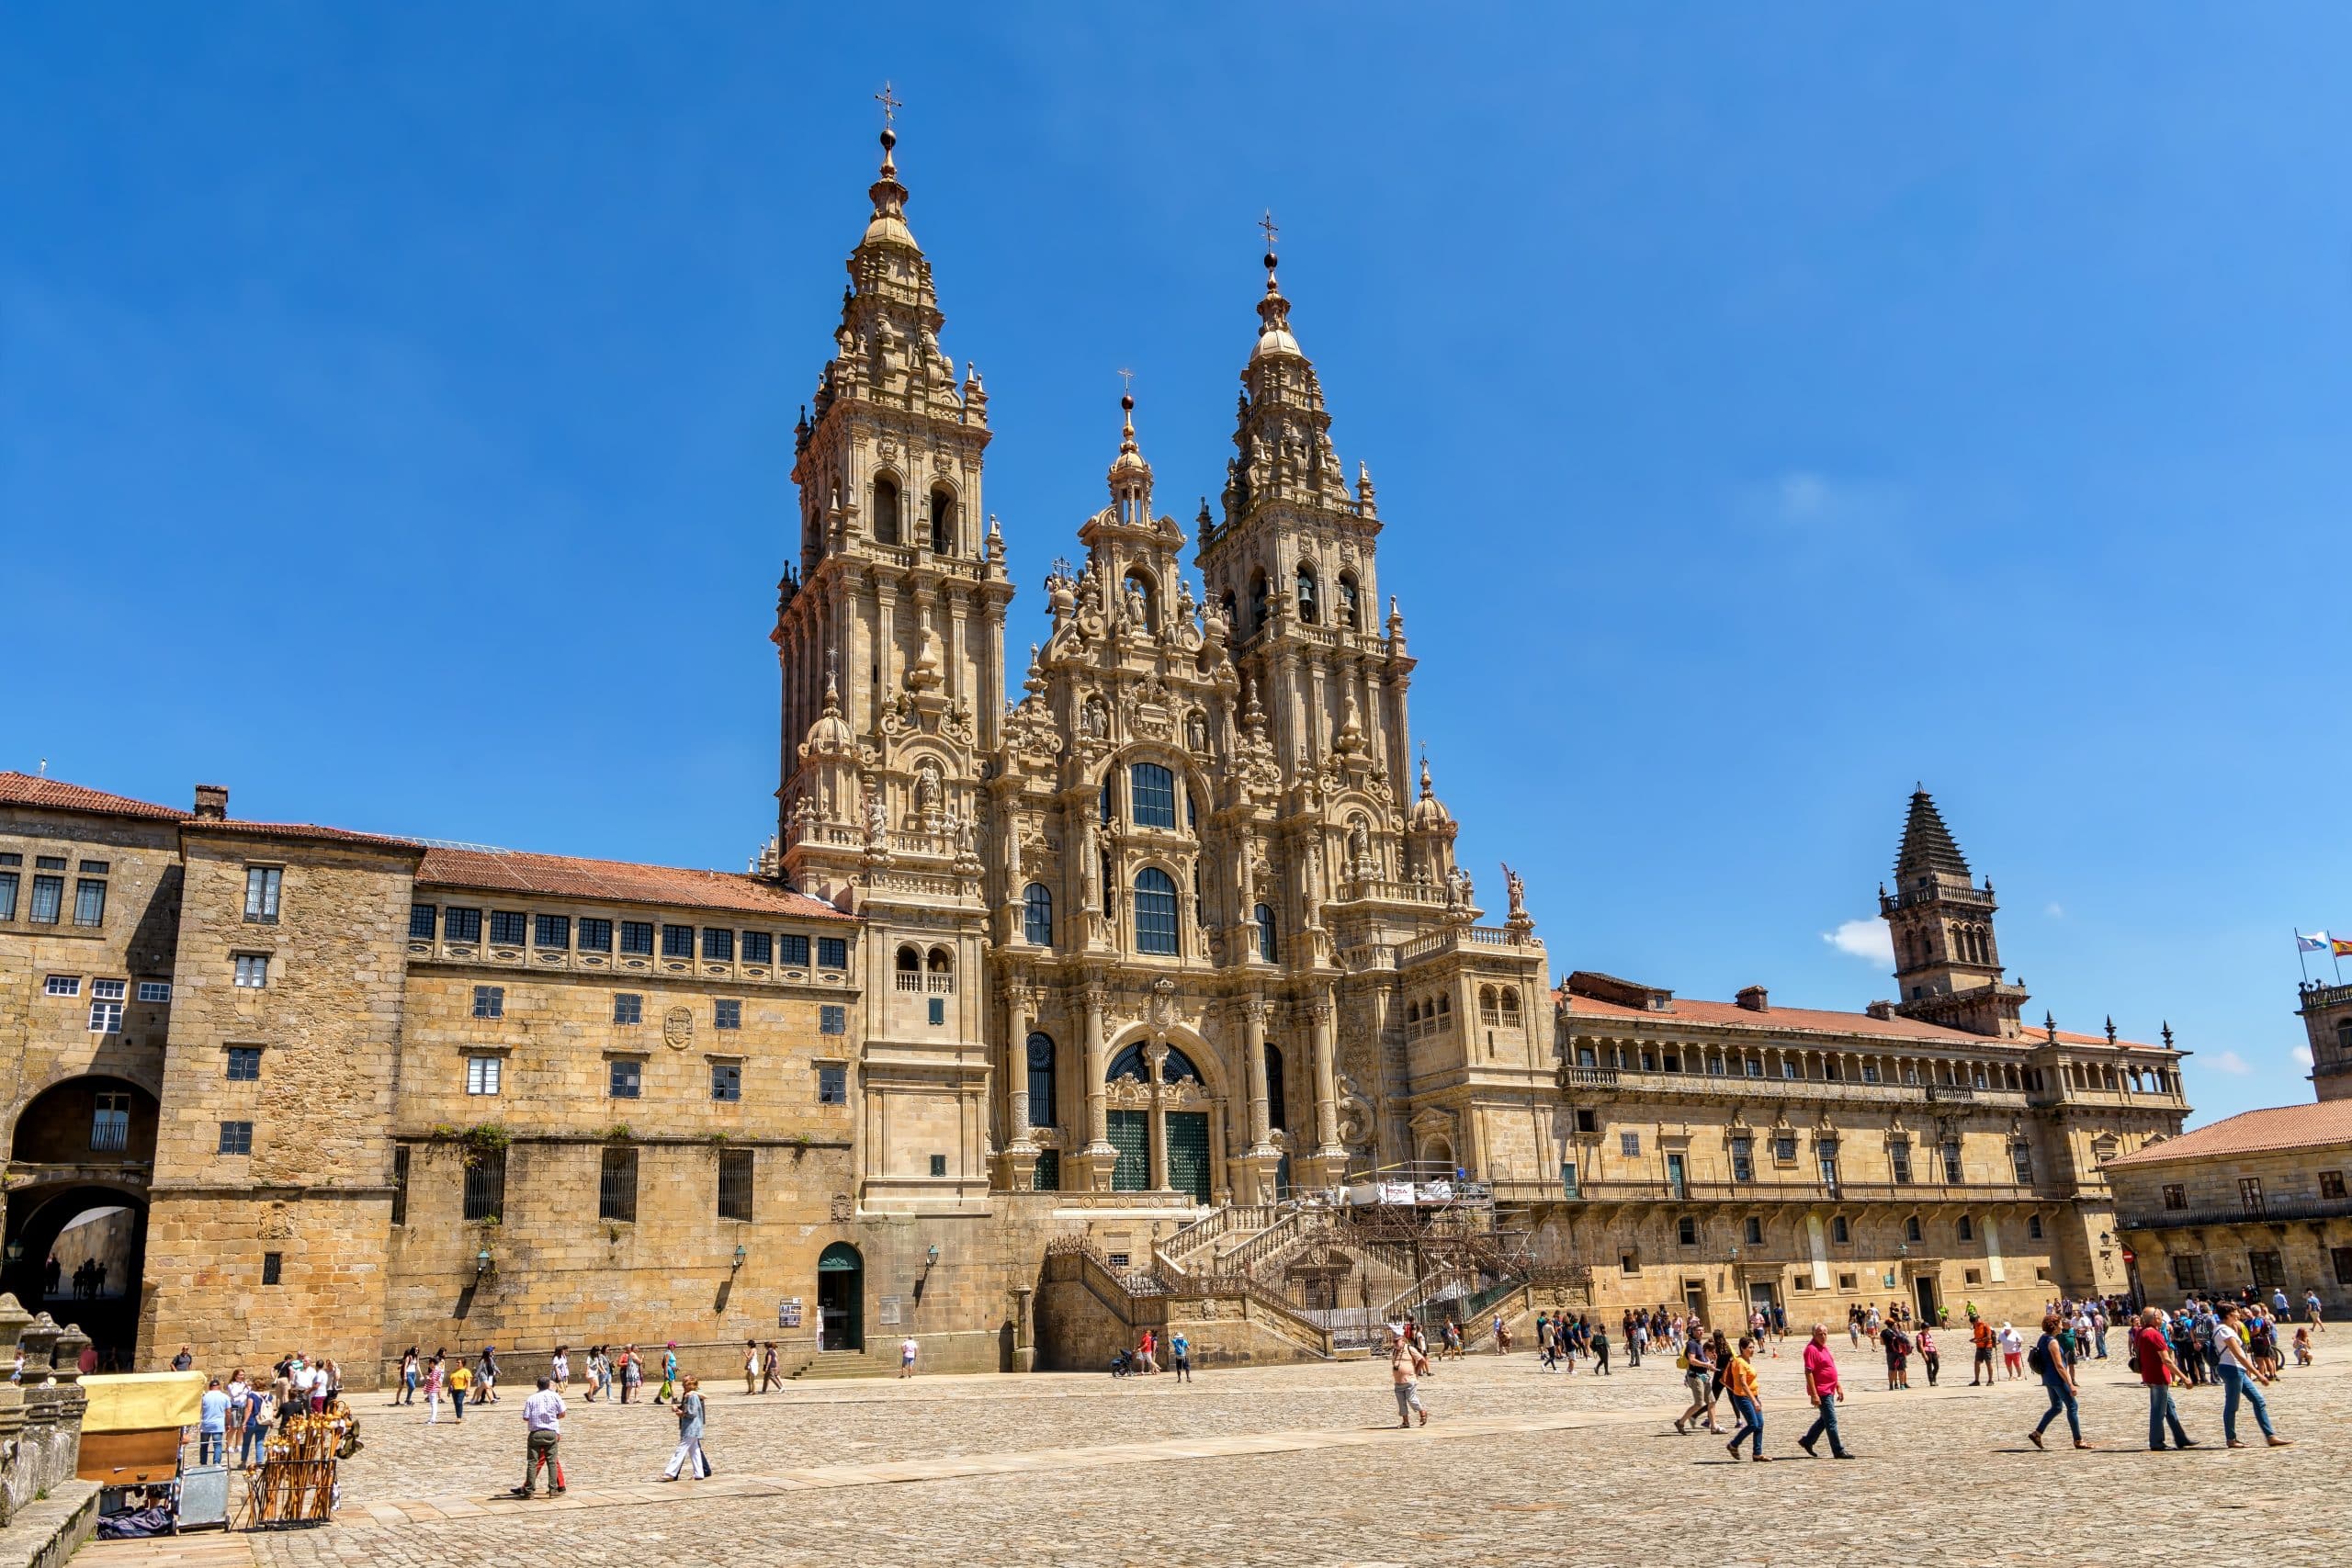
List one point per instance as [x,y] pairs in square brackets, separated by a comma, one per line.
[2254,1200]
[1057,994]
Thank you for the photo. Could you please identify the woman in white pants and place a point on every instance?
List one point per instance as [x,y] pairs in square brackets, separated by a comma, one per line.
[689,1458]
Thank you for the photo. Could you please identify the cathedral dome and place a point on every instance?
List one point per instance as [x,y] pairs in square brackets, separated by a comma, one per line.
[1273,314]
[830,736]
[1428,811]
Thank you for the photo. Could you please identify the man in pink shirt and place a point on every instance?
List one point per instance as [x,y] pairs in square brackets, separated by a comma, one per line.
[1821,1391]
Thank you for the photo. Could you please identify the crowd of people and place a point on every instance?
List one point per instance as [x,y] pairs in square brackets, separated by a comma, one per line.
[235,1419]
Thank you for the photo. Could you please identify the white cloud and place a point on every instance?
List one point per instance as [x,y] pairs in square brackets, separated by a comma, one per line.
[2231,1062]
[1863,939]
[2302,1054]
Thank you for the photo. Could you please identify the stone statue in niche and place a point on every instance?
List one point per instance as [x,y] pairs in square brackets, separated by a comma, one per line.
[1359,847]
[1138,610]
[927,790]
[877,818]
[1196,732]
[1094,720]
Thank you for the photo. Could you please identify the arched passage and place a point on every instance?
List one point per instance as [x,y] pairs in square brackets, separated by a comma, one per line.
[83,1152]
[841,1298]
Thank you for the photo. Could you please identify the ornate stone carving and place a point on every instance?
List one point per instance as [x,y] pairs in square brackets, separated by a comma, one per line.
[678,1028]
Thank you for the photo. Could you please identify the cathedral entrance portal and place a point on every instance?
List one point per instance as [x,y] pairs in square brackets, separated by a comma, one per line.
[1188,1153]
[841,1298]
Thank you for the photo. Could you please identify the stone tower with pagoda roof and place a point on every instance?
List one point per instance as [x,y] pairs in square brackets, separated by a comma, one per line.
[1947,964]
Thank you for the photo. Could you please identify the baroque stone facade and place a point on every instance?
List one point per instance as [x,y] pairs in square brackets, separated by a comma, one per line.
[1170,934]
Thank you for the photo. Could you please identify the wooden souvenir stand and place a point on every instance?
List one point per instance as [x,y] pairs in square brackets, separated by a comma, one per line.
[295,1483]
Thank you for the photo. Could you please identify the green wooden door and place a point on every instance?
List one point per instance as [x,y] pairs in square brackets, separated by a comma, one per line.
[1188,1153]
[1049,1171]
[1130,1133]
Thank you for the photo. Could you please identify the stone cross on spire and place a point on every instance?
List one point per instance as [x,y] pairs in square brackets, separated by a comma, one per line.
[890,105]
[1267,223]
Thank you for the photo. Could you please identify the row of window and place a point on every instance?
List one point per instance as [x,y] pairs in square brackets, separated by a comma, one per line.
[46,907]
[1841,1230]
[624,1079]
[616,1183]
[1739,1063]
[1348,614]
[107,998]
[628,1007]
[2251,1197]
[589,933]
[1784,1152]
[2264,1271]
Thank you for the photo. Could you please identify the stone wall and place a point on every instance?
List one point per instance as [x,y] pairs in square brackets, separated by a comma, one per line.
[252,1256]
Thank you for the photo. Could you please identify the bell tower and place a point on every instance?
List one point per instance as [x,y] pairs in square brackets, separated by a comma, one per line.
[1947,964]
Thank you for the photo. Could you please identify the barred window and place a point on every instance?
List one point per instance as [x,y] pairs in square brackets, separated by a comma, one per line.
[616,1185]
[1155,911]
[1037,914]
[273,1268]
[421,921]
[596,935]
[486,1185]
[1154,795]
[1628,1144]
[719,944]
[7,895]
[757,945]
[2022,1162]
[1743,1159]
[735,1171]
[236,1137]
[89,902]
[726,1015]
[508,927]
[551,930]
[636,938]
[624,1077]
[832,1019]
[793,949]
[489,1002]
[726,1081]
[261,891]
[400,1184]
[461,925]
[628,1007]
[244,1063]
[832,952]
[677,942]
[833,1085]
[48,899]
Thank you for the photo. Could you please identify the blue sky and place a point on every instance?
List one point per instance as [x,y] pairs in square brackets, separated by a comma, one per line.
[1771,407]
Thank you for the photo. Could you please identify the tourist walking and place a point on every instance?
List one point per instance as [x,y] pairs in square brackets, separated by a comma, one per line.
[1980,1336]
[751,1366]
[689,1458]
[1822,1392]
[433,1375]
[1697,1373]
[253,1440]
[1601,1349]
[2153,1354]
[908,1350]
[1745,1403]
[2048,1358]
[543,1414]
[1180,1352]
[212,1424]
[486,1377]
[1928,1355]
[669,1388]
[560,1369]
[406,1392]
[632,1374]
[2242,1379]
[460,1379]
[1405,1369]
[2012,1351]
[770,1377]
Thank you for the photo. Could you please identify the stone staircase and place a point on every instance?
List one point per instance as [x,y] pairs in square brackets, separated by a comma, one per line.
[876,1360]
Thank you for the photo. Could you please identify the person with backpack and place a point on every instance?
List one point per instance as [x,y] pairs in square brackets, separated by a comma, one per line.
[2049,1360]
[2151,1358]
[1930,1357]
[1980,1334]
[1698,1373]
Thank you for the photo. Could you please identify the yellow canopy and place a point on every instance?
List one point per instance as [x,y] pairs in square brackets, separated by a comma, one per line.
[141,1402]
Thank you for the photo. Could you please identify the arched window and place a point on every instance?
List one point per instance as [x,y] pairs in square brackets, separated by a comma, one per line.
[1153,803]
[1110,806]
[1155,911]
[886,509]
[910,961]
[1139,586]
[1277,1113]
[1129,1064]
[1489,1010]
[1037,914]
[1269,946]
[1445,1005]
[1257,600]
[941,962]
[1041,1081]
[942,522]
[1232,614]
[1307,610]
[1348,610]
[1176,1067]
[1511,1005]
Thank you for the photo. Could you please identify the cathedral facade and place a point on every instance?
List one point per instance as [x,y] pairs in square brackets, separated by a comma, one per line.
[1050,997]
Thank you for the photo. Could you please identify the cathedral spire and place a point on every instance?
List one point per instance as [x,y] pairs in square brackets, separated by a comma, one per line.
[1929,848]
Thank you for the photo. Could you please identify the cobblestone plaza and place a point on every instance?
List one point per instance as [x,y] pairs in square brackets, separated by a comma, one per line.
[1298,1465]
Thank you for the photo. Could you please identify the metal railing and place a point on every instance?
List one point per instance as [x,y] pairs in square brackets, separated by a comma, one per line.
[2266,1211]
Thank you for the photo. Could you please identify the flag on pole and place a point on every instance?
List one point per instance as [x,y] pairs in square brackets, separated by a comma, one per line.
[2317,943]
[2338,947]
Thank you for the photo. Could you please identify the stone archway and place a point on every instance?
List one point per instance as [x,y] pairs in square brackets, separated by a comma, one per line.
[82,1153]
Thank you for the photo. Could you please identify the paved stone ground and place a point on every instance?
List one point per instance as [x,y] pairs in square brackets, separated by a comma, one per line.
[1299,1466]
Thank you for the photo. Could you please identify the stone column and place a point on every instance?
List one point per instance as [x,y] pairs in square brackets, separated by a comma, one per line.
[1253,1043]
[1327,1089]
[1016,1074]
[1099,1155]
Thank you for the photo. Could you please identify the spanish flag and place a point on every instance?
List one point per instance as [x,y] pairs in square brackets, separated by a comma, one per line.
[2339,947]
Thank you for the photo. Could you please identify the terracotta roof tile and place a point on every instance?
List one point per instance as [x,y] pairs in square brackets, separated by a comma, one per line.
[2279,1127]
[621,882]
[1779,1019]
[238,825]
[32,789]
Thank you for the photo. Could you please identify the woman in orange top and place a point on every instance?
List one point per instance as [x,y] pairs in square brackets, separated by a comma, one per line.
[1739,1378]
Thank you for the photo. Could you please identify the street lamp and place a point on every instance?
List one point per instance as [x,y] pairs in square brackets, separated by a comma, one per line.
[481,1263]
[740,1255]
[931,1258]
